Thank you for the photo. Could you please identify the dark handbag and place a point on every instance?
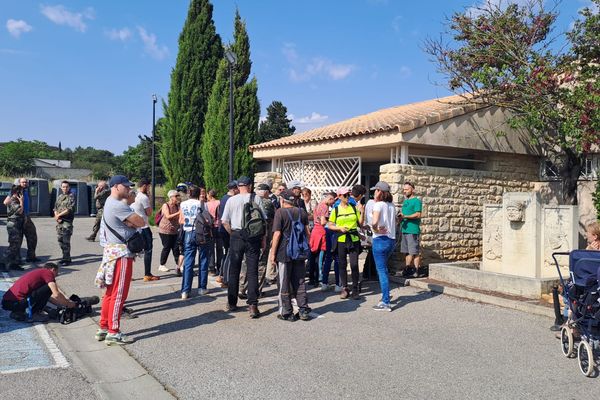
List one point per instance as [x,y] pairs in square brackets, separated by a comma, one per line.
[136,242]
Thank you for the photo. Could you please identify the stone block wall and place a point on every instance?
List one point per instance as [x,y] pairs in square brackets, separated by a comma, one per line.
[271,177]
[453,201]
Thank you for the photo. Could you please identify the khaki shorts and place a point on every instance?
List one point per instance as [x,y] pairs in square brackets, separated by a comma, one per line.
[410,244]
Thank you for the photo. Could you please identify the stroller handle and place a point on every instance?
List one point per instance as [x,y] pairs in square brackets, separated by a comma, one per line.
[560,253]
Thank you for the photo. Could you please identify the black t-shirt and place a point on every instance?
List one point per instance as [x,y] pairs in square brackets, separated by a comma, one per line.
[283,224]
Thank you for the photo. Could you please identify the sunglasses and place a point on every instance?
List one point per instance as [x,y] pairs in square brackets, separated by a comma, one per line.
[345,195]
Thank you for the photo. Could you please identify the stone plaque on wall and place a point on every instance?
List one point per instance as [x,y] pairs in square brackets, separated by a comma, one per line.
[560,234]
[492,238]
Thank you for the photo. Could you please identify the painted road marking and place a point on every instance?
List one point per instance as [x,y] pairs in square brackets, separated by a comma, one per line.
[24,346]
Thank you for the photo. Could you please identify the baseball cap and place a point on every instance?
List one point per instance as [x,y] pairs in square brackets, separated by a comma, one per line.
[294,184]
[381,185]
[119,180]
[172,193]
[232,185]
[343,190]
[244,181]
[263,186]
[288,195]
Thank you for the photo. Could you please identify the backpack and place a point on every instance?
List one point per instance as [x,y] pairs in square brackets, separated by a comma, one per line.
[253,222]
[297,245]
[158,217]
[203,225]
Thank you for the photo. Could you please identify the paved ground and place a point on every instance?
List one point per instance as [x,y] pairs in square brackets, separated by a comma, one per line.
[431,346]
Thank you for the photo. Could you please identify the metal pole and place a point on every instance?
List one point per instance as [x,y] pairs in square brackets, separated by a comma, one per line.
[230,122]
[153,151]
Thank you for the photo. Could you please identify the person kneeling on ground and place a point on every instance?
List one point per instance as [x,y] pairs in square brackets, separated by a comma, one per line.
[28,296]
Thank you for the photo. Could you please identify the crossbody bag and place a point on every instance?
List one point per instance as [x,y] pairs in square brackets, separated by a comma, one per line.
[136,242]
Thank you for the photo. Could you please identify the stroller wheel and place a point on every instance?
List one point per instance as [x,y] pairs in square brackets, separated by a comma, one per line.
[566,341]
[585,355]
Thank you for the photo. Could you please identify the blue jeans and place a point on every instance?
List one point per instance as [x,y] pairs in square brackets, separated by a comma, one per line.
[329,238]
[189,254]
[383,247]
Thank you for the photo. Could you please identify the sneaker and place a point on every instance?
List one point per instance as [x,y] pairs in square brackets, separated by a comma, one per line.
[18,316]
[90,239]
[344,294]
[101,334]
[242,296]
[355,294]
[163,268]
[117,338]
[381,306]
[324,287]
[40,316]
[65,262]
[337,289]
[286,317]
[150,278]
[253,311]
[202,292]
[184,296]
[230,308]
[304,314]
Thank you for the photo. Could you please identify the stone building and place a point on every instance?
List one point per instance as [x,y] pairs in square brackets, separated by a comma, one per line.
[459,157]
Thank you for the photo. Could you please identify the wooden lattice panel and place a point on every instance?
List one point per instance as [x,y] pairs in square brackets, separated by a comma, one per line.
[325,174]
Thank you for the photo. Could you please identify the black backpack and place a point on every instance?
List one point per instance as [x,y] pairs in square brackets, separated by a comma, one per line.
[203,225]
[254,225]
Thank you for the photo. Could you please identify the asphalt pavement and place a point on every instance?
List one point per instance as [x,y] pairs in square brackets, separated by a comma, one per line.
[430,346]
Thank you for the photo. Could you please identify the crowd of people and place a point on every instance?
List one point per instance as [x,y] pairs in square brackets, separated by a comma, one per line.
[247,239]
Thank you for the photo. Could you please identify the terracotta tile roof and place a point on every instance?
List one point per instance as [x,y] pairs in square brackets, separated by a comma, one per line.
[402,118]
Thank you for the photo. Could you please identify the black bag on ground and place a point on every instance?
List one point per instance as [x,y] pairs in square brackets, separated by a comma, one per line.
[66,315]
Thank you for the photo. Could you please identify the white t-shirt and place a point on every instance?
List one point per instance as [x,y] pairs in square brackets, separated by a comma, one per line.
[387,219]
[369,211]
[189,210]
[139,206]
[234,209]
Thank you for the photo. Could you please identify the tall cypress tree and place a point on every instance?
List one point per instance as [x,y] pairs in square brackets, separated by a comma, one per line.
[200,51]
[215,145]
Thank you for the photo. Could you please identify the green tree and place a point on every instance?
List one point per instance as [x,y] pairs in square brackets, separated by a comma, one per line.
[200,50]
[504,56]
[215,145]
[16,158]
[136,161]
[277,124]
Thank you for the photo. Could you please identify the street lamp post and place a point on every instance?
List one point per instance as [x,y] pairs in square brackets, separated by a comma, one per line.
[231,59]
[153,151]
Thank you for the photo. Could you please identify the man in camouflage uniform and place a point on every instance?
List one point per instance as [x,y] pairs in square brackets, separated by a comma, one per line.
[100,195]
[263,192]
[14,227]
[64,212]
[28,227]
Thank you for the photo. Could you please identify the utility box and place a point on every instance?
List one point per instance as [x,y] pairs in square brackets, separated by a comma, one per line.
[39,197]
[4,191]
[79,190]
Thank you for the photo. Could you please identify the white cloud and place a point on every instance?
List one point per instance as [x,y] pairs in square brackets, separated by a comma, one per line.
[301,70]
[61,16]
[150,47]
[405,72]
[397,23]
[313,118]
[122,34]
[17,27]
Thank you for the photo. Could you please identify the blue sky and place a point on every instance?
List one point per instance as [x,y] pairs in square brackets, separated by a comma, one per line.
[83,72]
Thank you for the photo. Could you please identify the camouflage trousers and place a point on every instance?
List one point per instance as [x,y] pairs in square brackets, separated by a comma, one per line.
[12,255]
[64,231]
[97,222]
[31,236]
